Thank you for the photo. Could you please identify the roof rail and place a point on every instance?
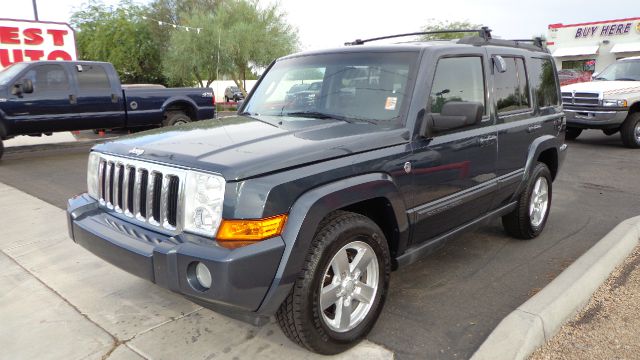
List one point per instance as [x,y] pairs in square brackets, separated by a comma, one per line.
[484,33]
[535,44]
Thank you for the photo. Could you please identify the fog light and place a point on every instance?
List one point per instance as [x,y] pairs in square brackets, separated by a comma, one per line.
[203,275]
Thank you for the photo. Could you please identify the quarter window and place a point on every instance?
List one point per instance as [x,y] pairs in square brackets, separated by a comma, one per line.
[457,79]
[511,87]
[543,82]
[92,77]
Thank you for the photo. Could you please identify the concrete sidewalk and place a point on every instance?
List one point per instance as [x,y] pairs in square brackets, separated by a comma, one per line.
[58,301]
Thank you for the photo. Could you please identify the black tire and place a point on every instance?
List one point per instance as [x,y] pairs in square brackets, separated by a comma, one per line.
[630,131]
[300,316]
[176,118]
[610,132]
[226,99]
[1,149]
[518,223]
[572,133]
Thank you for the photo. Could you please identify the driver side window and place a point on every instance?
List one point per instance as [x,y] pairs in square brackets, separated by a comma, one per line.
[459,79]
[47,78]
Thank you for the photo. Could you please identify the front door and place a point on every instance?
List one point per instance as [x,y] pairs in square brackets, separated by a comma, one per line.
[454,170]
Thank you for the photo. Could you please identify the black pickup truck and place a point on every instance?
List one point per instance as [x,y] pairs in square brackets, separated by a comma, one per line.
[302,208]
[43,97]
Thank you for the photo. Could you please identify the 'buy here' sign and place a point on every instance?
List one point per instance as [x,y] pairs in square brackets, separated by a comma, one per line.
[22,40]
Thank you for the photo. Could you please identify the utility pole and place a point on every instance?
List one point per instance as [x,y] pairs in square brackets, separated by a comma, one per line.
[35,10]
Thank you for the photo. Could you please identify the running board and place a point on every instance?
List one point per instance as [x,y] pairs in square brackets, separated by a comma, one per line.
[416,253]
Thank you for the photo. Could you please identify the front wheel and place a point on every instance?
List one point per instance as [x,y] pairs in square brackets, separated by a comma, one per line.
[529,217]
[572,133]
[341,290]
[630,131]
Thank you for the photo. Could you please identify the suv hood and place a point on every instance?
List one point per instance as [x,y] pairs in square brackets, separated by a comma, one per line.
[241,147]
[605,87]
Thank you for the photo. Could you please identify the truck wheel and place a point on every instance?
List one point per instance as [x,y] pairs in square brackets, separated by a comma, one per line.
[336,299]
[529,217]
[610,132]
[176,118]
[572,133]
[630,131]
[1,149]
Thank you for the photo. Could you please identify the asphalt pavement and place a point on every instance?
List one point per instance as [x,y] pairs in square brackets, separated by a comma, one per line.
[444,306]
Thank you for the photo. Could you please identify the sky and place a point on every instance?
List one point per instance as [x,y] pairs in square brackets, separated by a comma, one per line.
[330,23]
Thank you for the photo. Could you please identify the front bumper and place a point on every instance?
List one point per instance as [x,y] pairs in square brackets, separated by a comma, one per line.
[241,277]
[599,118]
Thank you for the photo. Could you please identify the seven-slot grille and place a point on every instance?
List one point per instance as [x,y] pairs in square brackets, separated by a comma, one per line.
[581,98]
[147,192]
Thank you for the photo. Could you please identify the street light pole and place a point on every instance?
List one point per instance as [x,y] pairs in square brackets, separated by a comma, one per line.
[35,10]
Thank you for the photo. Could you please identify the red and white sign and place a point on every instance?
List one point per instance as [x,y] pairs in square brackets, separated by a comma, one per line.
[24,40]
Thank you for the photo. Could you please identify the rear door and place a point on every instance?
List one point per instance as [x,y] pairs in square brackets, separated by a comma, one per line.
[454,171]
[48,108]
[99,101]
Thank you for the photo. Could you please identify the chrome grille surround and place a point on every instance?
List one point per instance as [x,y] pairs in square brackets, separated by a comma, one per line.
[115,189]
[581,98]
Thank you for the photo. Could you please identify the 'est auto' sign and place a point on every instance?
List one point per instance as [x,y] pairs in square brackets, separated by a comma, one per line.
[22,40]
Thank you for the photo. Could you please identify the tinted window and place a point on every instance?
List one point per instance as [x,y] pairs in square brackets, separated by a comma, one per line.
[511,87]
[48,78]
[543,82]
[93,77]
[457,79]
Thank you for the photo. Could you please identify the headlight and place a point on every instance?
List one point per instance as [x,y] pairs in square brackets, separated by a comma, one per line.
[204,194]
[614,103]
[92,175]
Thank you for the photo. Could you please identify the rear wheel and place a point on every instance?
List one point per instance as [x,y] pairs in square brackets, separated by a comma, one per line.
[341,290]
[176,118]
[572,133]
[529,217]
[630,131]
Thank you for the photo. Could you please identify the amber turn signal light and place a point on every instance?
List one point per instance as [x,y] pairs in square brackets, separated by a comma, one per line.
[238,233]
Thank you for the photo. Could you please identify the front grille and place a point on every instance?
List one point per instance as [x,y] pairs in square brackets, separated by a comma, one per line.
[145,192]
[581,98]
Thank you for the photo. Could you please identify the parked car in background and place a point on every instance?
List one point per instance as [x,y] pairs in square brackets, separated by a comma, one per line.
[611,103]
[303,94]
[44,97]
[569,76]
[233,93]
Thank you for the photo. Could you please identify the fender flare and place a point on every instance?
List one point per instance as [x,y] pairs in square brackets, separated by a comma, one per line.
[536,148]
[305,216]
[175,99]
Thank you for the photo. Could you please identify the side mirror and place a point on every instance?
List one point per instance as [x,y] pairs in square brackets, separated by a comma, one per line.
[455,115]
[500,64]
[27,86]
[594,75]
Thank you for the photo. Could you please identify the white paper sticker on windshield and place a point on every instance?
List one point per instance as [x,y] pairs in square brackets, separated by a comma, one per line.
[391,103]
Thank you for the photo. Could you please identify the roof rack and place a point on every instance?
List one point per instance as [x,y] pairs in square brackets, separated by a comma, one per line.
[535,44]
[484,33]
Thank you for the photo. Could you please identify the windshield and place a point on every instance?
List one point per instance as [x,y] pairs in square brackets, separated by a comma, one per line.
[622,70]
[363,86]
[7,74]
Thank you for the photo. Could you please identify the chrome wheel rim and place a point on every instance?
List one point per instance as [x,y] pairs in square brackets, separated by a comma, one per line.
[179,122]
[637,132]
[539,202]
[349,286]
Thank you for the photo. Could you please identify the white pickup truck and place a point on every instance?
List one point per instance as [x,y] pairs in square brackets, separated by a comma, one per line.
[611,102]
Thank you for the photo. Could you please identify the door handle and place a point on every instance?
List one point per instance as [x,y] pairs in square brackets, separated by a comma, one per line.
[488,140]
[73,99]
[534,127]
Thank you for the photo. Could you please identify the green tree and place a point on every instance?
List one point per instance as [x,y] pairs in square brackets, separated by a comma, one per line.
[236,39]
[121,36]
[448,25]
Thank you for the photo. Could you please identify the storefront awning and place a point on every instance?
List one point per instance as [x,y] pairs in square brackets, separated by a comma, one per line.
[628,47]
[576,51]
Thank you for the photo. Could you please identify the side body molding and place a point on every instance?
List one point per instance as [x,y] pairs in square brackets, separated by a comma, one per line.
[307,212]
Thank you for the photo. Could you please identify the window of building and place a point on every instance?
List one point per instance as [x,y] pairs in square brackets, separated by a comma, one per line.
[580,65]
[93,77]
[543,82]
[458,79]
[511,87]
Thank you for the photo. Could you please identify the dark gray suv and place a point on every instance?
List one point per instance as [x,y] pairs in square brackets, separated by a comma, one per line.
[303,208]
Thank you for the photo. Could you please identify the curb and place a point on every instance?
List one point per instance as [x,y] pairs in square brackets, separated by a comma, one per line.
[539,318]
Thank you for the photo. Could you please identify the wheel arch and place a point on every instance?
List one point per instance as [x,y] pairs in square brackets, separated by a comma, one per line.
[353,194]
[181,104]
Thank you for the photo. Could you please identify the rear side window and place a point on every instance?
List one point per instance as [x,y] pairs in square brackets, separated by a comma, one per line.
[511,86]
[543,82]
[92,77]
[457,79]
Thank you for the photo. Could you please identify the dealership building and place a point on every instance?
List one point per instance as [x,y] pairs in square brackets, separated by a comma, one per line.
[593,46]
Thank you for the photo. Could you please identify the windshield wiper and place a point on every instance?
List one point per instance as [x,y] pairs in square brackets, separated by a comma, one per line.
[599,78]
[626,79]
[321,115]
